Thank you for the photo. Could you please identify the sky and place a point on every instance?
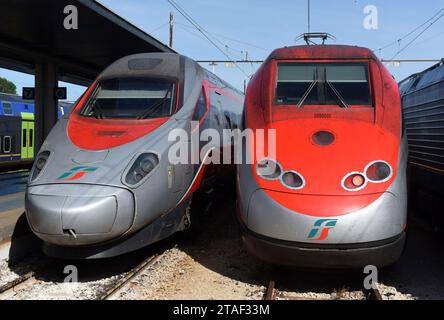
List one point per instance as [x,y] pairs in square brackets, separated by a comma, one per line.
[259,26]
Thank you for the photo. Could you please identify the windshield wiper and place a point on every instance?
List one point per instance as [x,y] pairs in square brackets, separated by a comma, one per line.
[97,111]
[338,95]
[307,93]
[160,103]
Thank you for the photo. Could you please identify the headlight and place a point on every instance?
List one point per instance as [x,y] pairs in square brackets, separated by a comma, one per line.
[293,180]
[354,181]
[268,169]
[378,171]
[142,167]
[40,164]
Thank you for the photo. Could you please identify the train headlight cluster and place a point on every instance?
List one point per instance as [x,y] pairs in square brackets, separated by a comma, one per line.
[40,164]
[269,169]
[142,167]
[374,172]
[378,171]
[354,181]
[292,180]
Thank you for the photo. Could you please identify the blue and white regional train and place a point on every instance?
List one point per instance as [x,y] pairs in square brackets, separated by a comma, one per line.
[102,183]
[17,129]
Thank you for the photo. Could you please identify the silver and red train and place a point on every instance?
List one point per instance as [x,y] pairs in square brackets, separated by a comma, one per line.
[334,194]
[102,183]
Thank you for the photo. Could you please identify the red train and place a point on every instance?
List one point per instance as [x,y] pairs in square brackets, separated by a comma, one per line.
[335,193]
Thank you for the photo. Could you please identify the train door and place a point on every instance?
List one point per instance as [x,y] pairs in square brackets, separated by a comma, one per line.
[27,136]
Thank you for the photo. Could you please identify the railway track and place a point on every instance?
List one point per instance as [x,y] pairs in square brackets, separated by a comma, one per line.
[373,294]
[13,182]
[123,282]
[272,293]
[6,289]
[9,289]
[12,172]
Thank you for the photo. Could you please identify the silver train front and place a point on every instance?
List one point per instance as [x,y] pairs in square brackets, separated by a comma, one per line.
[100,215]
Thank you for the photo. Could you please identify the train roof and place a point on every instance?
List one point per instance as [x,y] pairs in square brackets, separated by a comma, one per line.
[16,98]
[423,79]
[160,63]
[322,52]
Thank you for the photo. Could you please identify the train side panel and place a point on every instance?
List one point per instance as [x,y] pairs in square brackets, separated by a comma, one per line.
[423,111]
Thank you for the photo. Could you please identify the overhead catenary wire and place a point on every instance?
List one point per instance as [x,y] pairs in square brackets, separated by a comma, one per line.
[410,33]
[417,37]
[428,39]
[179,26]
[214,34]
[159,27]
[234,51]
[226,46]
[204,33]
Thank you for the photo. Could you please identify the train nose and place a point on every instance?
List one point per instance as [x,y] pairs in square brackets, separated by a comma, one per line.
[76,215]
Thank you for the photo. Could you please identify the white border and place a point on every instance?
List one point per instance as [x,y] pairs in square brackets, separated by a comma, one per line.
[378,181]
[277,163]
[131,163]
[351,174]
[298,174]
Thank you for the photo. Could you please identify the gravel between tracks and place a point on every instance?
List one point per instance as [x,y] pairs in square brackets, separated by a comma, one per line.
[50,286]
[176,275]
[212,264]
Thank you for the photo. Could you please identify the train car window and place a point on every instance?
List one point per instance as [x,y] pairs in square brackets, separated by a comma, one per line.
[340,84]
[24,138]
[7,144]
[201,108]
[31,137]
[7,108]
[131,98]
[350,82]
[294,80]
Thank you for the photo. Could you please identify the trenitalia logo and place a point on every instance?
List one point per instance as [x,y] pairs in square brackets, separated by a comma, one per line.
[76,173]
[321,229]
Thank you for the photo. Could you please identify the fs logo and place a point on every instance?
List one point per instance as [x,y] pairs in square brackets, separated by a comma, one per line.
[76,173]
[321,229]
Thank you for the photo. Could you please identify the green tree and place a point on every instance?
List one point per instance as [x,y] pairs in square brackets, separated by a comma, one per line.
[7,86]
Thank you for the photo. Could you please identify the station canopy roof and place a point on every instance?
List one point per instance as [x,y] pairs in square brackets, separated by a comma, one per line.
[33,32]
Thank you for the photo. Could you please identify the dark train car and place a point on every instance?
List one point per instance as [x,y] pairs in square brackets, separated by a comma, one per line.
[422,98]
[17,130]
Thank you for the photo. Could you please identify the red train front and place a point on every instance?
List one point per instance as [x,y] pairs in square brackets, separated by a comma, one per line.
[333,194]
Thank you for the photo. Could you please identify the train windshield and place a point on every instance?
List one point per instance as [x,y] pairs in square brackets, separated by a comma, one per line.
[131,98]
[342,84]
